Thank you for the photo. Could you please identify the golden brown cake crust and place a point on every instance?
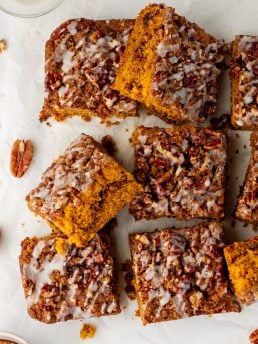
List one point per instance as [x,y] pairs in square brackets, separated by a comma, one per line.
[180,273]
[82,190]
[182,171]
[244,79]
[171,65]
[247,205]
[76,284]
[242,262]
[81,59]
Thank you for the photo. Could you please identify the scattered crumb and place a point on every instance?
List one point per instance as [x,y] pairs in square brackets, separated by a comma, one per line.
[87,331]
[236,178]
[61,246]
[245,224]
[230,160]
[233,223]
[237,135]
[48,124]
[237,151]
[137,313]
[109,144]
[126,129]
[221,123]
[22,224]
[244,146]
[124,307]
[253,338]
[128,277]
[3,45]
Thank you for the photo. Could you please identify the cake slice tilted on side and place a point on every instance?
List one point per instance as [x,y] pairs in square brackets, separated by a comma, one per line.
[63,282]
[179,273]
[81,60]
[82,190]
[170,65]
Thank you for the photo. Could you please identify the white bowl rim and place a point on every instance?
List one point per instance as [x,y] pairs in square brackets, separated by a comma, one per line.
[31,15]
[13,337]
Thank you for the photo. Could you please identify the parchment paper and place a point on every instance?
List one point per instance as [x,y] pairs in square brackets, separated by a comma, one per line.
[21,96]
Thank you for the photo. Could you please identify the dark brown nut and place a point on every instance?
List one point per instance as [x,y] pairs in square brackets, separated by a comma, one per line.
[21,155]
[3,45]
[253,338]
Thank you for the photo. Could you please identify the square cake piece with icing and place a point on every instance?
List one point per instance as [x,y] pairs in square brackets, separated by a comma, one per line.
[171,65]
[63,282]
[182,171]
[244,82]
[180,273]
[81,60]
[82,190]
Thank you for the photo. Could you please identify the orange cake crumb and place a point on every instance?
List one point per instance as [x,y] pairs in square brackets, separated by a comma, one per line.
[87,331]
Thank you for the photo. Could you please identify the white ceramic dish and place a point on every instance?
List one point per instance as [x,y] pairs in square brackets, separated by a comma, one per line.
[28,8]
[12,337]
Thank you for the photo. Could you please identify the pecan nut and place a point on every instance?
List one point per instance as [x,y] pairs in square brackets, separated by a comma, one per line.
[3,45]
[253,338]
[21,155]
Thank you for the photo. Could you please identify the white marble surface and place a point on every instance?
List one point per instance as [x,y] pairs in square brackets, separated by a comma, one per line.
[21,94]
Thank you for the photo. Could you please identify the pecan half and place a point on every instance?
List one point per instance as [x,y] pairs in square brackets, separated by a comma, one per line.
[3,45]
[253,338]
[21,155]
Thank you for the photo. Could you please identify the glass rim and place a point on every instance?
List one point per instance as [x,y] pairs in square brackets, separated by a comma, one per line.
[31,15]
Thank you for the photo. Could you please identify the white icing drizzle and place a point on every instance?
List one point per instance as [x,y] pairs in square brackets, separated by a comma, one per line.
[187,77]
[80,299]
[166,267]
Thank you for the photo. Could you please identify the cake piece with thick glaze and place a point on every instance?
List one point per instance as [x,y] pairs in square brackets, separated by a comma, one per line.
[180,273]
[182,171]
[82,190]
[244,82]
[171,65]
[63,282]
[81,60]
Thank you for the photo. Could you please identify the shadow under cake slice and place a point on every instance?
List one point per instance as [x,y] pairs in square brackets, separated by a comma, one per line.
[179,273]
[63,282]
[81,60]
[171,65]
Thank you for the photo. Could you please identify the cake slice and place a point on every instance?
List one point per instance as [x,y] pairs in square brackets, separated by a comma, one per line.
[170,65]
[242,262]
[182,171]
[81,60]
[180,273]
[247,206]
[82,190]
[63,282]
[244,82]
